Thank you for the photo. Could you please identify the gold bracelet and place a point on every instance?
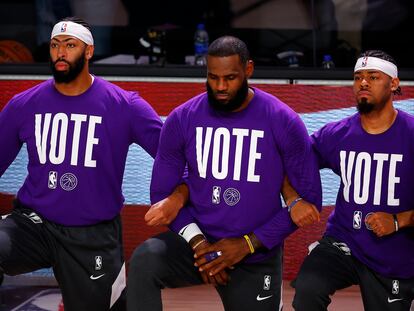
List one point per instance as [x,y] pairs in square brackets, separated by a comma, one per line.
[246,237]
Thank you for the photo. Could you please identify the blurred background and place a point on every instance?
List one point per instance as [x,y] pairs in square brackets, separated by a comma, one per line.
[286,33]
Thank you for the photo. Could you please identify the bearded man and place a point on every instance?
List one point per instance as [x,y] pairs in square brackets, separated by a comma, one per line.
[77,129]
[238,143]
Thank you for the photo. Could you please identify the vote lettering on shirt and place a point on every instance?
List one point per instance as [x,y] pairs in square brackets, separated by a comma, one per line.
[356,172]
[217,143]
[52,146]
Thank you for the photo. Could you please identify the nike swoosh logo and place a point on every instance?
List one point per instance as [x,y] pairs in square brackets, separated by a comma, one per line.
[393,300]
[258,298]
[183,229]
[96,277]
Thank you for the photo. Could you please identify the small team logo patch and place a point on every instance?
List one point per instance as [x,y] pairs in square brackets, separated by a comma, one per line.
[395,287]
[68,181]
[357,221]
[366,224]
[231,196]
[266,282]
[52,182]
[215,196]
[63,27]
[98,262]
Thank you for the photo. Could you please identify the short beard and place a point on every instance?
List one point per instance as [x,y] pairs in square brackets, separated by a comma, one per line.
[233,104]
[72,73]
[364,107]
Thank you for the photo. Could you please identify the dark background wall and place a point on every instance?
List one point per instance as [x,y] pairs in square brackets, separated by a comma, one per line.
[341,28]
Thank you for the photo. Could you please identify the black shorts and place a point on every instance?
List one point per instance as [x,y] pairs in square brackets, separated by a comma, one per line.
[167,260]
[330,266]
[87,261]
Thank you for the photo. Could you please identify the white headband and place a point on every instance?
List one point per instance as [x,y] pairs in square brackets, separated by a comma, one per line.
[74,30]
[375,63]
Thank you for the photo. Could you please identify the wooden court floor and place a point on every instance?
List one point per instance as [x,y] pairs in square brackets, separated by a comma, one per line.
[205,298]
[195,298]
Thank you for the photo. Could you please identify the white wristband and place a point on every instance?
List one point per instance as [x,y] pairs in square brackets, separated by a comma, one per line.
[190,231]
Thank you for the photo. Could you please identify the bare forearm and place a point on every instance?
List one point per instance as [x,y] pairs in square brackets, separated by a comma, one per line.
[289,194]
[180,195]
[406,219]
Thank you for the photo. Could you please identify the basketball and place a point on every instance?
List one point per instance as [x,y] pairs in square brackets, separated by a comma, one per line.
[14,52]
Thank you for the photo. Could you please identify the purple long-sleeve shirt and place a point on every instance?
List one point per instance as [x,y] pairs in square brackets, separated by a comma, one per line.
[77,148]
[236,165]
[377,175]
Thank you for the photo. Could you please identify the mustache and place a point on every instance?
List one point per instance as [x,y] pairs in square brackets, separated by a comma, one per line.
[60,60]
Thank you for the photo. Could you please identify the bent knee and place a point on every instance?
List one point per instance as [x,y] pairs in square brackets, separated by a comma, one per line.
[311,285]
[149,256]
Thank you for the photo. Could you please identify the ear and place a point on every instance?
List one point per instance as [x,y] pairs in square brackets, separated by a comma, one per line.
[249,68]
[395,82]
[89,52]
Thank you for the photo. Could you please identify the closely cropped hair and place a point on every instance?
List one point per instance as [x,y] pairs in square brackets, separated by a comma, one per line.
[382,55]
[76,20]
[227,46]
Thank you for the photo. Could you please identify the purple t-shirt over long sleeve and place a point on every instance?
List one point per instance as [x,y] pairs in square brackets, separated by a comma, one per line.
[236,164]
[77,148]
[377,175]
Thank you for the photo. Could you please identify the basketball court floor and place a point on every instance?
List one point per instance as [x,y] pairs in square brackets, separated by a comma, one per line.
[205,298]
[196,298]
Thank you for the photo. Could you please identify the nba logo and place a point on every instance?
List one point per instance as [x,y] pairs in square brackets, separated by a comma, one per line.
[63,27]
[395,287]
[266,282]
[364,61]
[357,220]
[52,182]
[98,262]
[215,197]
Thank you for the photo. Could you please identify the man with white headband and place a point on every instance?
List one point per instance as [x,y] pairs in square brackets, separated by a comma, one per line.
[369,240]
[66,65]
[77,129]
